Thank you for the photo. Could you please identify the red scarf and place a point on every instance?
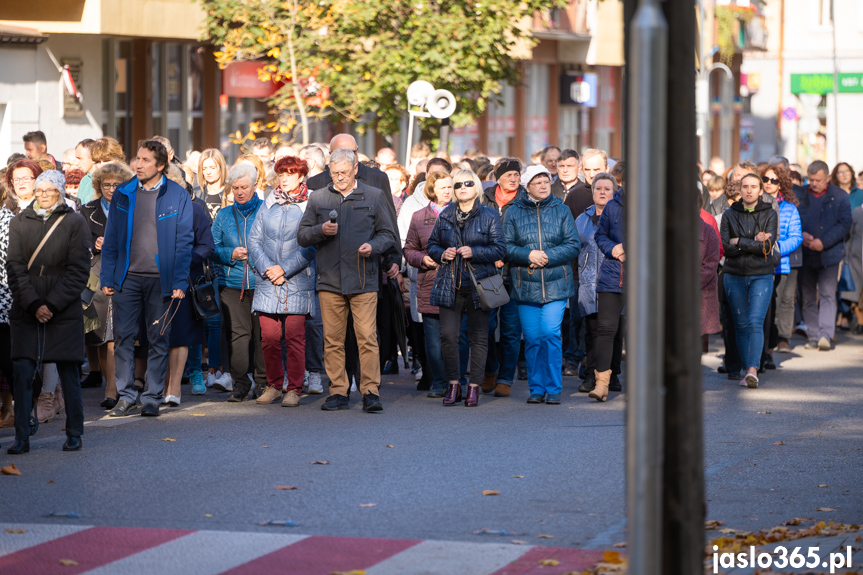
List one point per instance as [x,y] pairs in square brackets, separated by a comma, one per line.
[298,196]
[503,198]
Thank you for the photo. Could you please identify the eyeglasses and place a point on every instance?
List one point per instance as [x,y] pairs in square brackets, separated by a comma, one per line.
[774,181]
[110,187]
[23,180]
[46,192]
[466,184]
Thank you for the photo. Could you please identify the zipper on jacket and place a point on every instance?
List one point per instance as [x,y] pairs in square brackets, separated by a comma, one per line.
[542,269]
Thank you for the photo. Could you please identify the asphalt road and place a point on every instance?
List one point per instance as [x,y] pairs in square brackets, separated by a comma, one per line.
[560,469]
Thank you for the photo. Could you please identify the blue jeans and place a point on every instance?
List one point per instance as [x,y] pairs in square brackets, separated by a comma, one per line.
[193,360]
[576,346]
[749,298]
[434,358]
[510,342]
[140,296]
[213,331]
[542,345]
[315,341]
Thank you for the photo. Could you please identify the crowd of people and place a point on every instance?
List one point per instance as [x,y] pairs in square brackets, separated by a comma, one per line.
[297,269]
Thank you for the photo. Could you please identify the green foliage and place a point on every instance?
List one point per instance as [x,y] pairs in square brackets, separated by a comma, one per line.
[368,52]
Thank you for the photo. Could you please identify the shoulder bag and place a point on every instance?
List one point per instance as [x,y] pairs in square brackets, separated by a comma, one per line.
[490,290]
[204,302]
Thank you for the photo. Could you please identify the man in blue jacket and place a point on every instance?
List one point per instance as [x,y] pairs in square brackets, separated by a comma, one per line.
[825,212]
[146,255]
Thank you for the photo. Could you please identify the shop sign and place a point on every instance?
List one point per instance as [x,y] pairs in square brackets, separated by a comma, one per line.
[240,80]
[580,90]
[849,83]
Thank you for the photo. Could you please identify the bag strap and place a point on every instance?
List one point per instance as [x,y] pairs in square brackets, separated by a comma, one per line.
[44,239]
[237,222]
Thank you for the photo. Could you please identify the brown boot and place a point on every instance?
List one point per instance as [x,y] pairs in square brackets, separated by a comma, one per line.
[488,382]
[600,392]
[501,390]
[45,407]
[59,401]
[270,395]
[472,399]
[453,394]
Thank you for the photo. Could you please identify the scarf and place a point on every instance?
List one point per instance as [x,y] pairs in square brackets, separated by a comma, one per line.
[436,209]
[106,206]
[248,207]
[503,198]
[461,217]
[301,194]
[45,213]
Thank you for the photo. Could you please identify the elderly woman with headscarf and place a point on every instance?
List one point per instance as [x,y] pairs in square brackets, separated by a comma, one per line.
[285,281]
[231,230]
[47,265]
[540,242]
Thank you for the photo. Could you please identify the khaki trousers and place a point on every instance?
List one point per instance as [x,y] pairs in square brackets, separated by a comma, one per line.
[334,315]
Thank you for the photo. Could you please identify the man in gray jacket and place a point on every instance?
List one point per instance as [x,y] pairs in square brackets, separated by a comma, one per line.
[349,224]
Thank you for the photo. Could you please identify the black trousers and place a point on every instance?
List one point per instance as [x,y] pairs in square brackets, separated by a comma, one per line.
[242,332]
[23,392]
[591,325]
[608,324]
[450,329]
[732,360]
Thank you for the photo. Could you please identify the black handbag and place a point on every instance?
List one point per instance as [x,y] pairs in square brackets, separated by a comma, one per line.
[204,301]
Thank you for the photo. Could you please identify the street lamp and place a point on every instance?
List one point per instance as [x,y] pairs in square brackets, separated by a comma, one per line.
[438,104]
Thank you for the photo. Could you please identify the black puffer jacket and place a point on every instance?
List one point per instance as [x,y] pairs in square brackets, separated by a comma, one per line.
[747,258]
[56,279]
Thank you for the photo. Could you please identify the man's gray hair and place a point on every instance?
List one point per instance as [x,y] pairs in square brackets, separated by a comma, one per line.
[241,171]
[817,166]
[779,160]
[343,155]
[315,154]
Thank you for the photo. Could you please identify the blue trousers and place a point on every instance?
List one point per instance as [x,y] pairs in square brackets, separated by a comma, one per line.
[510,341]
[213,331]
[542,345]
[576,348]
[434,357]
[140,296]
[749,298]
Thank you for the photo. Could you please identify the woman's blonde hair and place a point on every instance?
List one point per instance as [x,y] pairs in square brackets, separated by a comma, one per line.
[219,159]
[464,175]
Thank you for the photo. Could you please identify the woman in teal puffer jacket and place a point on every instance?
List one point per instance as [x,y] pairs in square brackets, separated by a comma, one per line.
[541,240]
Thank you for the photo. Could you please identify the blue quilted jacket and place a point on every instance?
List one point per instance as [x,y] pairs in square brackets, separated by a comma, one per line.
[482,232]
[589,261]
[546,226]
[273,240]
[610,232]
[790,235]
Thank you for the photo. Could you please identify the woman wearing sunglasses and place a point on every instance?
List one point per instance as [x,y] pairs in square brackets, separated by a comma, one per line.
[780,317]
[465,234]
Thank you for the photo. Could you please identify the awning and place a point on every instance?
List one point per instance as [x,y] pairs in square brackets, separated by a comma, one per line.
[16,35]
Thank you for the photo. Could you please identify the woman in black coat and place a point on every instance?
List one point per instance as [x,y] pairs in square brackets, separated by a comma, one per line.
[47,321]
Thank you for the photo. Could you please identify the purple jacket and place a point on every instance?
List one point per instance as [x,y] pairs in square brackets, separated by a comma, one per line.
[416,243]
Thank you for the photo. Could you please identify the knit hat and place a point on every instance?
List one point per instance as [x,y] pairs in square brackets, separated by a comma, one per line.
[533,171]
[504,167]
[54,177]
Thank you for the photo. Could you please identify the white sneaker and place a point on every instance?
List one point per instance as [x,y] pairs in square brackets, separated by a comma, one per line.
[353,384]
[224,383]
[306,382]
[418,375]
[315,385]
[171,401]
[211,379]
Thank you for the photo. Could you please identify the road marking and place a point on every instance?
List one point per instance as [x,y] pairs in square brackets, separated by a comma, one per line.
[35,534]
[448,557]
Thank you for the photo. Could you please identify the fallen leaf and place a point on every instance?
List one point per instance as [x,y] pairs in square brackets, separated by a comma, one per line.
[823,485]
[284,488]
[10,470]
[611,557]
[545,536]
[265,447]
[354,572]
[390,445]
[199,414]
[169,439]
[518,476]
[367,504]
[519,542]
[712,524]
[778,443]
[16,531]
[491,492]
[765,412]
[320,462]
[796,521]
[68,562]
[825,509]
[50,481]
[621,544]
[208,514]
[280,523]
[549,562]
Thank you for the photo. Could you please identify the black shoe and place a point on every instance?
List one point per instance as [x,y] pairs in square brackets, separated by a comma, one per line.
[570,369]
[582,371]
[858,329]
[735,376]
[150,410]
[237,396]
[72,444]
[390,368]
[769,363]
[259,391]
[588,386]
[436,393]
[372,402]
[522,373]
[108,403]
[335,403]
[415,367]
[34,425]
[185,380]
[93,379]
[425,383]
[19,447]
[615,384]
[122,409]
[722,368]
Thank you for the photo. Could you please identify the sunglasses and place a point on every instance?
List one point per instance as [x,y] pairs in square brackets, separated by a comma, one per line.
[774,181]
[467,184]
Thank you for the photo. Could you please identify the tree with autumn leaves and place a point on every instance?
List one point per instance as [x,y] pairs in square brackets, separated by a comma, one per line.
[356,58]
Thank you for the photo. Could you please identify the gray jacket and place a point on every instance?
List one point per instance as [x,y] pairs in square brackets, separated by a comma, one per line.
[273,240]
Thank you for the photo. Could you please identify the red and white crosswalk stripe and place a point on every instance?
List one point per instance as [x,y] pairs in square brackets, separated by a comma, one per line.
[36,549]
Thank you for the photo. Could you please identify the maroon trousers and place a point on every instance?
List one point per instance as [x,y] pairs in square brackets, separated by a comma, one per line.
[275,327]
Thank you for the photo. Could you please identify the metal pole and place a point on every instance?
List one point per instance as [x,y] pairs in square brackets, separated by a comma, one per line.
[410,142]
[443,142]
[645,247]
[835,127]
